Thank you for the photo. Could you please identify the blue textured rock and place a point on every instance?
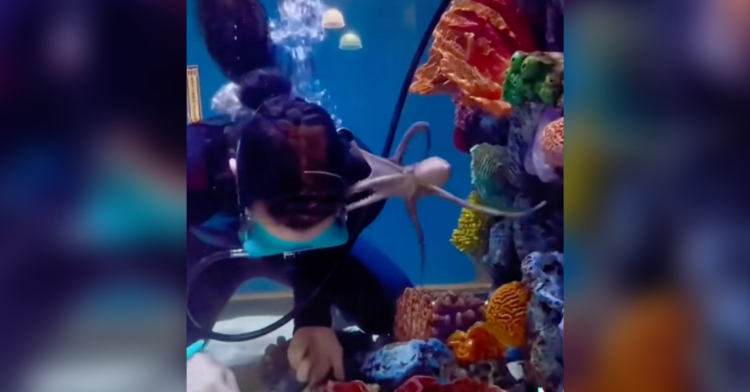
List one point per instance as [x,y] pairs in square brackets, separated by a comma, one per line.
[543,275]
[393,364]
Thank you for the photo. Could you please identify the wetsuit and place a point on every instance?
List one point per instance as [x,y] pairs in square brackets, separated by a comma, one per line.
[364,284]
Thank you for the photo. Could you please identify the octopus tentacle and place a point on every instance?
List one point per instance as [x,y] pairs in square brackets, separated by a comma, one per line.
[376,183]
[374,198]
[414,129]
[411,208]
[445,195]
[380,166]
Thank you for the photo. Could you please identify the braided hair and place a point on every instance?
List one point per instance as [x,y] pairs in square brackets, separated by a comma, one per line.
[290,155]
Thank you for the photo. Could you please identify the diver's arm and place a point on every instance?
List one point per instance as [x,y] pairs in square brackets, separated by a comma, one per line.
[311,272]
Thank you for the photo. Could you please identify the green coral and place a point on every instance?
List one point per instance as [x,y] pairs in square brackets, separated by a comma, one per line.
[489,175]
[534,77]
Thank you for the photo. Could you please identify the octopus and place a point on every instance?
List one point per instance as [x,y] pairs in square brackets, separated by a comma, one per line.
[389,178]
[473,44]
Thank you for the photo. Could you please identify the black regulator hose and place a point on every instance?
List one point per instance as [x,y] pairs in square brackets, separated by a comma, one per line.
[410,75]
[209,334]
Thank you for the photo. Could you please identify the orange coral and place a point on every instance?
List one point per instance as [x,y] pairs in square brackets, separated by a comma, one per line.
[474,346]
[552,143]
[473,44]
[414,314]
[505,314]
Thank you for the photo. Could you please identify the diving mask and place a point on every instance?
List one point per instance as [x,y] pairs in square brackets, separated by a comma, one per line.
[259,242]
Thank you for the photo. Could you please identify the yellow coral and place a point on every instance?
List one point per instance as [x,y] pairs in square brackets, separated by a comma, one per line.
[470,236]
[505,314]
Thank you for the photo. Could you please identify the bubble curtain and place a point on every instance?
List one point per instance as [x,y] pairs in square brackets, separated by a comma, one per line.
[297,30]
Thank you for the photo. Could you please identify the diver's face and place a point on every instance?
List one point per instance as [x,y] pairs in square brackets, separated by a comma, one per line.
[259,212]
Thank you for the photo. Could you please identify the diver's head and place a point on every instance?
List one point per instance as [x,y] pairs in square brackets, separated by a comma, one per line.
[291,163]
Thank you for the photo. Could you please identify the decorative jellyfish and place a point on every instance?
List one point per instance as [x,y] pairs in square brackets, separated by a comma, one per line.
[333,19]
[350,41]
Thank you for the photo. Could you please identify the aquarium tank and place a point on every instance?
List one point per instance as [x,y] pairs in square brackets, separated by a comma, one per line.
[455,111]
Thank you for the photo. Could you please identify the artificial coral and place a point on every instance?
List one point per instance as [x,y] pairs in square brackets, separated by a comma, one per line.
[505,314]
[416,384]
[423,315]
[473,44]
[552,143]
[470,235]
[475,345]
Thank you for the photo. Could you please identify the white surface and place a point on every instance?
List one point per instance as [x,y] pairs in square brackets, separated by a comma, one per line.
[206,375]
[244,353]
[516,369]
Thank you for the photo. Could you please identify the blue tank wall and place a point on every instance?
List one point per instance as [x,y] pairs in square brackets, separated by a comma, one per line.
[363,86]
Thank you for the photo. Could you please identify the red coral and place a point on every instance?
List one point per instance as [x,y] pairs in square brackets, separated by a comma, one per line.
[471,385]
[351,386]
[466,121]
[429,384]
[422,315]
[473,44]
[420,384]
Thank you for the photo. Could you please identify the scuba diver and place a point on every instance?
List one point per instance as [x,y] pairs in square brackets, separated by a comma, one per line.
[279,195]
[293,170]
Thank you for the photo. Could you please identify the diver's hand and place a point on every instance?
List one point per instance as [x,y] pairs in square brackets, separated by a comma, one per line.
[206,375]
[314,352]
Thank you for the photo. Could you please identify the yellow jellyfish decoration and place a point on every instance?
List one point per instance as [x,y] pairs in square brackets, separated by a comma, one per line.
[333,19]
[350,41]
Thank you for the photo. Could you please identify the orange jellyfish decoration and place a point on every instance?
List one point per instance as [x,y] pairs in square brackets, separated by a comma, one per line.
[473,44]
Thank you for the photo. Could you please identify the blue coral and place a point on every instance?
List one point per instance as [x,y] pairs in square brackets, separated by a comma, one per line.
[543,274]
[393,364]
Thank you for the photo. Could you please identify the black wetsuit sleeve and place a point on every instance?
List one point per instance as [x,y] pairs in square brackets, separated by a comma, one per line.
[210,183]
[312,309]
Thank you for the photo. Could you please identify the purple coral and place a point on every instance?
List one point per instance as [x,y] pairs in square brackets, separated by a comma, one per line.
[423,315]
[534,161]
[456,312]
